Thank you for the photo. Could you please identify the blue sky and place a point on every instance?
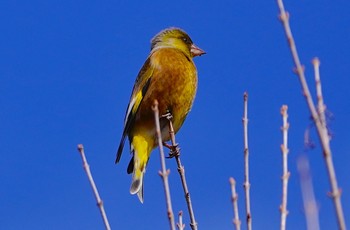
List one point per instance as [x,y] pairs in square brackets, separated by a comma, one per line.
[66,73]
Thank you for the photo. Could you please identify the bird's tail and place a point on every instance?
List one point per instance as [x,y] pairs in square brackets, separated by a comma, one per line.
[141,149]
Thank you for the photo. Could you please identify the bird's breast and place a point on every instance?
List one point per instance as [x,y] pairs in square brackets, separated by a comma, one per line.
[173,85]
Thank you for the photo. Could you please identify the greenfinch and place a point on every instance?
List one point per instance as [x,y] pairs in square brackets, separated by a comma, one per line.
[169,76]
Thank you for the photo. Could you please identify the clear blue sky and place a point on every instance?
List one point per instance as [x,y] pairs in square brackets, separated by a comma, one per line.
[66,74]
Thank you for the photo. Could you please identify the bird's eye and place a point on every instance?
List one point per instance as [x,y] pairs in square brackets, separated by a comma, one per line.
[185,40]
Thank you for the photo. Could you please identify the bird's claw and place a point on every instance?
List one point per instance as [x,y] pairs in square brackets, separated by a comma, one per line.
[174,150]
[168,115]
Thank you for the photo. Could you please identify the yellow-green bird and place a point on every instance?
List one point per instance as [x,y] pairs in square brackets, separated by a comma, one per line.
[169,76]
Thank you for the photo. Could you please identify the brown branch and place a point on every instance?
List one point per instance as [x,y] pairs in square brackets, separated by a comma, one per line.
[175,151]
[320,124]
[309,201]
[93,186]
[234,199]
[286,173]
[246,162]
[164,173]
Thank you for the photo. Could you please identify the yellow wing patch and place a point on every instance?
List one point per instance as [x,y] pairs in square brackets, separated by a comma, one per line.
[140,89]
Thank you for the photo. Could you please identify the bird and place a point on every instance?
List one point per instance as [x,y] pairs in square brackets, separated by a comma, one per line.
[169,76]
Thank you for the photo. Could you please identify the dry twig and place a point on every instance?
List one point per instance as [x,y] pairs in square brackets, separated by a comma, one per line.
[180,225]
[318,119]
[310,206]
[93,185]
[234,199]
[246,162]
[286,173]
[321,108]
[175,151]
[164,173]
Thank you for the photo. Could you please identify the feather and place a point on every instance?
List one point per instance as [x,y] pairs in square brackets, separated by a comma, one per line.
[139,91]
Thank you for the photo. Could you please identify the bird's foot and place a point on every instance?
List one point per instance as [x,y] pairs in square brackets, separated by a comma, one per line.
[174,150]
[167,115]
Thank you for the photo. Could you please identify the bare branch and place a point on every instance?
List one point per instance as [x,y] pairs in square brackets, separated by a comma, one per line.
[246,162]
[93,186]
[321,108]
[234,199]
[310,206]
[164,173]
[286,173]
[320,124]
[180,225]
[175,151]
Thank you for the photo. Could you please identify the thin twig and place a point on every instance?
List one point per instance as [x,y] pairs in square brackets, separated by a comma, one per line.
[164,173]
[93,185]
[246,162]
[181,169]
[310,206]
[321,108]
[180,225]
[320,125]
[286,173]
[234,199]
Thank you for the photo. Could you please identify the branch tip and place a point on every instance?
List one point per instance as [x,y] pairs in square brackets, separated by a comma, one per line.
[155,105]
[245,96]
[316,61]
[80,147]
[232,181]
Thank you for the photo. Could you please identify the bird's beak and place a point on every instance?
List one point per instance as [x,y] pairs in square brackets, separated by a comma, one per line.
[196,51]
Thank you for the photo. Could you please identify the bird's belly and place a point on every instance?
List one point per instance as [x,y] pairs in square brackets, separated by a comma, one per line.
[176,102]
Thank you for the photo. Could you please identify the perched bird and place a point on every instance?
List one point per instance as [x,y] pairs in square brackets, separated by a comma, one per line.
[169,76]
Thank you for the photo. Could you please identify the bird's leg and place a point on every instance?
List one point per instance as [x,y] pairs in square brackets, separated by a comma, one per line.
[167,145]
[174,147]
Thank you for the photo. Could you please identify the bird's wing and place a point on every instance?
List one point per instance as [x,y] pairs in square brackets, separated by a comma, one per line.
[140,88]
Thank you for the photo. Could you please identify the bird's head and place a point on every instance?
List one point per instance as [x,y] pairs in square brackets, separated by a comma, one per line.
[176,38]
